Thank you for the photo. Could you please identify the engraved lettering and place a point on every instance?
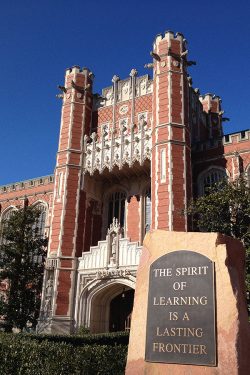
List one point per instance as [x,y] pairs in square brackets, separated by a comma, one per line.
[185,317]
[180,301]
[180,348]
[180,323]
[162,272]
[173,315]
[179,332]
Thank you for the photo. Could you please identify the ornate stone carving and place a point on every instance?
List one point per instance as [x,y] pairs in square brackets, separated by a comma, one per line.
[48,297]
[118,254]
[132,143]
[133,73]
[123,110]
[111,273]
[144,86]
[115,78]
[113,236]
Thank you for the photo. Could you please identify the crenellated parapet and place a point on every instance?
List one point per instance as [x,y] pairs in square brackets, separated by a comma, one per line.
[122,90]
[237,137]
[27,184]
[210,103]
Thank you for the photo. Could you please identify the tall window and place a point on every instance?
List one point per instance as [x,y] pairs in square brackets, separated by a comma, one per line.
[6,216]
[117,207]
[4,221]
[40,226]
[42,219]
[248,176]
[147,211]
[208,179]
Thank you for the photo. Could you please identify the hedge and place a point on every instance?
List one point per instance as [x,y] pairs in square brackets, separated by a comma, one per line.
[25,356]
[114,338]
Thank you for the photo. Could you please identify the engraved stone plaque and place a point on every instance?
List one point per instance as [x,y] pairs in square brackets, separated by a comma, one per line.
[181,310]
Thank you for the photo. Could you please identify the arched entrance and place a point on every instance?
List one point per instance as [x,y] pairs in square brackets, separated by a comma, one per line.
[120,311]
[110,308]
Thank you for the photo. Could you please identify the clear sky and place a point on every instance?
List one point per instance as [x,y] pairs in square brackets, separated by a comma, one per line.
[40,39]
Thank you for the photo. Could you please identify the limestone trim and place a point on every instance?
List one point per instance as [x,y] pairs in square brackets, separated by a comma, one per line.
[247,175]
[9,208]
[97,287]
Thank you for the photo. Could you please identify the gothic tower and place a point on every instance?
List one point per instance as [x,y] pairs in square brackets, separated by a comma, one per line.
[171,153]
[61,263]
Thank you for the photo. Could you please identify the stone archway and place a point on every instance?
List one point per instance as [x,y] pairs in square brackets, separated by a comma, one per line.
[120,311]
[108,305]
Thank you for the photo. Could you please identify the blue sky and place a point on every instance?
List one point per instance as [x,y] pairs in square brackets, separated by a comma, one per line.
[40,39]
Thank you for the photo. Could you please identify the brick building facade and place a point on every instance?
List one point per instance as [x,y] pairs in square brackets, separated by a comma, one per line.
[128,160]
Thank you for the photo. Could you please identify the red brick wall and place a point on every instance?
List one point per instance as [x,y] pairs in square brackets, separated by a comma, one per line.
[105,114]
[32,194]
[97,229]
[133,219]
[80,224]
[68,208]
[63,287]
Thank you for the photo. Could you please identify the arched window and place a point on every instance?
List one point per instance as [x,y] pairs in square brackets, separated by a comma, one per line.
[116,207]
[42,218]
[6,216]
[210,177]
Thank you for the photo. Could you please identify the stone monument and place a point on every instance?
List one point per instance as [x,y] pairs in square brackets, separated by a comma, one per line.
[190,314]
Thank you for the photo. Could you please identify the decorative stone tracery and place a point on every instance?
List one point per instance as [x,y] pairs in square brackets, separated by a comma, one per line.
[132,145]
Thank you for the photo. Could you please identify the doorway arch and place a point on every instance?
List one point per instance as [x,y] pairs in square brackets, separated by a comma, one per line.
[120,310]
[103,306]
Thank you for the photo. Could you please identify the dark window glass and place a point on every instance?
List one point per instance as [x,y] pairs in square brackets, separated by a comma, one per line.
[117,207]
[147,211]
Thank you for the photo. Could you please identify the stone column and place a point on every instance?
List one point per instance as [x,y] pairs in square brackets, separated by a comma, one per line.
[171,155]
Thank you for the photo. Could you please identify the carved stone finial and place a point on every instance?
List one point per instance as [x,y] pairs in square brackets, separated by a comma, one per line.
[133,73]
[91,75]
[93,136]
[149,66]
[115,78]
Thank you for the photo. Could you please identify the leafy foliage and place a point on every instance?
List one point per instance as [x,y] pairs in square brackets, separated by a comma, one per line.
[111,339]
[225,209]
[23,356]
[22,254]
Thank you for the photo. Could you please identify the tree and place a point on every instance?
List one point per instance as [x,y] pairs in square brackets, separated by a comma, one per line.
[22,255]
[225,208]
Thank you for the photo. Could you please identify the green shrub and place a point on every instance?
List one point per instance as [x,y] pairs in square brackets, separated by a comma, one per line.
[114,338]
[21,355]
[82,331]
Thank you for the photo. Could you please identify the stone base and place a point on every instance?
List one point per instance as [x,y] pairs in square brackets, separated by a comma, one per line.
[233,329]
[56,326]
